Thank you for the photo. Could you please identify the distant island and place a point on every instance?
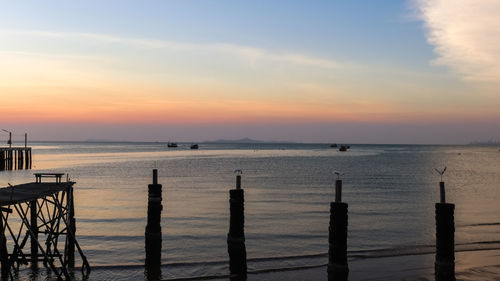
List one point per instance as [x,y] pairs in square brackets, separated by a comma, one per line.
[244,140]
[486,143]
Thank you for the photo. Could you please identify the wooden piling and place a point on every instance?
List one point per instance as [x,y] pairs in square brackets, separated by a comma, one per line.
[20,158]
[2,160]
[337,237]
[71,227]
[442,193]
[338,191]
[26,160]
[236,236]
[10,160]
[153,229]
[4,258]
[444,266]
[15,158]
[34,237]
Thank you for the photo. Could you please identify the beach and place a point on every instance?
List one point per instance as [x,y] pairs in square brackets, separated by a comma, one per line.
[470,265]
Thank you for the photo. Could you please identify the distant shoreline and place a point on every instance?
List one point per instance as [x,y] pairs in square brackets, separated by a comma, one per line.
[484,143]
[253,141]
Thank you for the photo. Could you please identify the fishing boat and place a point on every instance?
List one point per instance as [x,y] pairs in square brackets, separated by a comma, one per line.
[343,148]
[194,146]
[172,144]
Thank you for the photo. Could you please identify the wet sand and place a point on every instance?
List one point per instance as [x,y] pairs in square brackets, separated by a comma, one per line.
[469,265]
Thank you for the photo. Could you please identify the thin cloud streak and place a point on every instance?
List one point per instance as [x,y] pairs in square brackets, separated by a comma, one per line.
[466,36]
[249,53]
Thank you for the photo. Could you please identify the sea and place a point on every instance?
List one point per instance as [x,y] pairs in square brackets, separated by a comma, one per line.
[391,191]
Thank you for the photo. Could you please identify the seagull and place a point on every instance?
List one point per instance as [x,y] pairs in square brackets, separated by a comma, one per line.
[338,174]
[238,171]
[441,173]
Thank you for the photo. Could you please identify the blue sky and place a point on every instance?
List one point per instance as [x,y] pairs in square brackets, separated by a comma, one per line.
[374,30]
[308,66]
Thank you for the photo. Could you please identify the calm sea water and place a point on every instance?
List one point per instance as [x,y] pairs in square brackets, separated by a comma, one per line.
[391,191]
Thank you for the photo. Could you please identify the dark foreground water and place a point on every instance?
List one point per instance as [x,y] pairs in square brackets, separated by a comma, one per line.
[391,191]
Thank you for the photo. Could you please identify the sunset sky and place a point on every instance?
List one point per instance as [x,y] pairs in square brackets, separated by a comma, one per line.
[307,71]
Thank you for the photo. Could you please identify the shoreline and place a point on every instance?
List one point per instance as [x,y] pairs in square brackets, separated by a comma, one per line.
[483,264]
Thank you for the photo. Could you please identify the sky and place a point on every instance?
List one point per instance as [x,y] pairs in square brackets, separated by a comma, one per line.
[407,71]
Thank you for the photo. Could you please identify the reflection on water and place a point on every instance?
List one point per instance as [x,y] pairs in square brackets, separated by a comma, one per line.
[391,191]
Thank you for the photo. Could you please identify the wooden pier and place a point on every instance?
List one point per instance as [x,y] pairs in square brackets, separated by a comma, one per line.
[15,158]
[43,213]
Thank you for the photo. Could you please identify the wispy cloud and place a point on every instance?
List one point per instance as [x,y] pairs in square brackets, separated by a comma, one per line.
[248,53]
[466,35]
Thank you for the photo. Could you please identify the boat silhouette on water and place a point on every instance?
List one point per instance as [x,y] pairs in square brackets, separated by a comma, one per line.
[344,147]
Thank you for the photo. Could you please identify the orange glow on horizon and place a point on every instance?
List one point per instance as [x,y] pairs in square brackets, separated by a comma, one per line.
[179,111]
[66,96]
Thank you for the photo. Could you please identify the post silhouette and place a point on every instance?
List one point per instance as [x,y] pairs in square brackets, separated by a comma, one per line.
[444,265]
[153,229]
[2,160]
[34,230]
[4,256]
[71,226]
[337,237]
[236,236]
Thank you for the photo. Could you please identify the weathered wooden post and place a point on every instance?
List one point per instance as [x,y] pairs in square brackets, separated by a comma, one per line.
[153,229]
[4,258]
[20,158]
[8,160]
[236,236]
[34,229]
[337,237]
[26,159]
[2,160]
[444,265]
[71,226]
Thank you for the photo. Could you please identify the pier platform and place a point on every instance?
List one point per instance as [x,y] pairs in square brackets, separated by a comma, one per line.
[27,192]
[37,223]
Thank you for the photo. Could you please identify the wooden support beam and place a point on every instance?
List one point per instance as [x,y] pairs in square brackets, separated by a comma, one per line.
[72,228]
[34,229]
[4,258]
